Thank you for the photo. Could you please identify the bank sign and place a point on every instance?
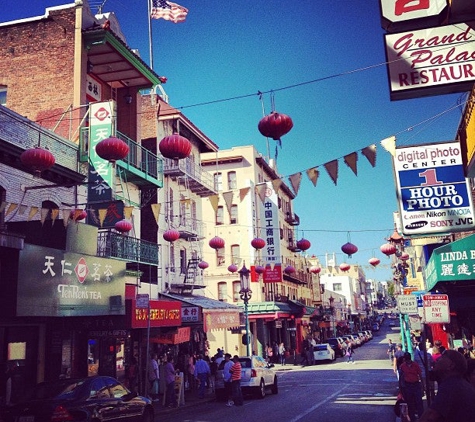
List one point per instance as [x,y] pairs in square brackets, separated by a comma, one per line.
[433,194]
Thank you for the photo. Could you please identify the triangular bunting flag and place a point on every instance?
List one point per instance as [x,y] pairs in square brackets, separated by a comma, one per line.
[54,214]
[295,180]
[214,201]
[370,153]
[93,215]
[261,191]
[22,209]
[102,215]
[389,144]
[33,211]
[44,214]
[313,174]
[156,211]
[128,212]
[12,207]
[228,199]
[276,183]
[332,169]
[66,214]
[351,160]
[243,192]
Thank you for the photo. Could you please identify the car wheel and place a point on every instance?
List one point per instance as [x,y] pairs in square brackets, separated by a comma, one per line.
[275,388]
[261,390]
[147,415]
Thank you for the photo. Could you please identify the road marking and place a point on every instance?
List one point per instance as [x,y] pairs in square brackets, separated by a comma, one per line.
[316,406]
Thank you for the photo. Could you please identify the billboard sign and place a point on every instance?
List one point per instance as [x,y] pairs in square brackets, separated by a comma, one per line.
[431,61]
[433,194]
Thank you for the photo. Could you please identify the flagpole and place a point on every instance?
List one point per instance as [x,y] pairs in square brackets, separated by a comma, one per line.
[150,51]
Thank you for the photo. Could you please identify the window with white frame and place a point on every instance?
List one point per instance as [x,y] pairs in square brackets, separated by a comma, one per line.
[3,95]
[171,263]
[236,290]
[232,181]
[170,205]
[223,291]
[337,287]
[220,259]
[233,216]
[219,216]
[218,182]
[235,254]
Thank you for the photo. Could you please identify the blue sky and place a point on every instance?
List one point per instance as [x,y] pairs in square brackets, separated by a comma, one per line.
[324,62]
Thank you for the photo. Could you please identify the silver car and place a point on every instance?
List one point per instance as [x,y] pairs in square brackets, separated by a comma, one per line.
[257,377]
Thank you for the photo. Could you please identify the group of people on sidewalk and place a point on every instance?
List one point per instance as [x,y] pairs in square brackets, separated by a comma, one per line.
[453,374]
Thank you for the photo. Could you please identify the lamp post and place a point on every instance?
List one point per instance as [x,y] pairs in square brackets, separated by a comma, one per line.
[331,299]
[245,293]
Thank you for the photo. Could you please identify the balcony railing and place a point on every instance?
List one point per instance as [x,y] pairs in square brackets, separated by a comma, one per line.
[126,248]
[143,167]
[189,228]
[292,219]
[186,172]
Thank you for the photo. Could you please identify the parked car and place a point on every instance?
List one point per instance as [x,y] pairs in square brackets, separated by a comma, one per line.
[323,352]
[257,376]
[92,399]
[369,334]
[356,340]
[338,345]
[364,337]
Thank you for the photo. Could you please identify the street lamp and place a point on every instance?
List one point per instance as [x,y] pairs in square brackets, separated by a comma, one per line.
[245,293]
[331,299]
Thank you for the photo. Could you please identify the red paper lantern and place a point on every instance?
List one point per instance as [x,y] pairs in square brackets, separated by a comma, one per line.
[123,226]
[78,215]
[349,249]
[303,244]
[258,243]
[388,249]
[171,235]
[374,261]
[232,268]
[289,269]
[344,266]
[404,256]
[37,159]
[175,147]
[112,149]
[216,243]
[259,269]
[315,270]
[275,125]
[203,265]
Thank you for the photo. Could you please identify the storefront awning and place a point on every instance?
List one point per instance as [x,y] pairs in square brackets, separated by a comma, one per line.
[453,262]
[216,314]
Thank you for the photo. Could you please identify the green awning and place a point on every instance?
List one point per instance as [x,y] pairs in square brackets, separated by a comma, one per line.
[452,262]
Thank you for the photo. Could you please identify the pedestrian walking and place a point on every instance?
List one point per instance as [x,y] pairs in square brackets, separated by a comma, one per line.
[213,368]
[398,360]
[455,399]
[349,353]
[282,353]
[170,380]
[235,371]
[391,350]
[228,363]
[202,372]
[411,379]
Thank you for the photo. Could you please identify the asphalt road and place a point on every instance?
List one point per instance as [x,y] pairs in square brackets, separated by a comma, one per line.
[326,392]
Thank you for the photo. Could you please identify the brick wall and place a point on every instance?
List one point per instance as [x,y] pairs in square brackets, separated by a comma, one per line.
[37,65]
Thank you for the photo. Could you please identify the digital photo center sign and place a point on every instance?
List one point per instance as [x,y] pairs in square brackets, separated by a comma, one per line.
[431,61]
[433,194]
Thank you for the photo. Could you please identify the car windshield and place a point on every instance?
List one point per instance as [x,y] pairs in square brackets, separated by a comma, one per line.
[61,389]
[245,362]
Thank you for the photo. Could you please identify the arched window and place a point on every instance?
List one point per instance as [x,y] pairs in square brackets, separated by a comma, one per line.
[50,206]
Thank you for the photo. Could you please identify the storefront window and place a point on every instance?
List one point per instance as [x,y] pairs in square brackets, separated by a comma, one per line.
[92,357]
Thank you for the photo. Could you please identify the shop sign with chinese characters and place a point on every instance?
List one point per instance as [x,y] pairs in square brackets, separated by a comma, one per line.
[452,262]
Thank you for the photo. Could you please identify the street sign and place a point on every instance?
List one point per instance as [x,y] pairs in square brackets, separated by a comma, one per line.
[436,309]
[141,301]
[407,304]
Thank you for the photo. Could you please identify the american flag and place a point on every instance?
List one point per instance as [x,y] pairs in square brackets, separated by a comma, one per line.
[162,9]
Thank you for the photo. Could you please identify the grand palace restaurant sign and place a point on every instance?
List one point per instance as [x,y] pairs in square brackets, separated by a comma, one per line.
[429,60]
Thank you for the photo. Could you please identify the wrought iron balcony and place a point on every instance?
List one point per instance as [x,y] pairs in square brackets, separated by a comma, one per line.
[126,248]
[188,174]
[142,167]
[292,218]
[189,228]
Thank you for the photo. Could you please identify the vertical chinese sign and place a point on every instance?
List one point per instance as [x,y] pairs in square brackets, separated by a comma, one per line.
[269,218]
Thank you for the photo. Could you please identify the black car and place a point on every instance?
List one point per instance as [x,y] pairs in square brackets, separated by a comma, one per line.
[98,398]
